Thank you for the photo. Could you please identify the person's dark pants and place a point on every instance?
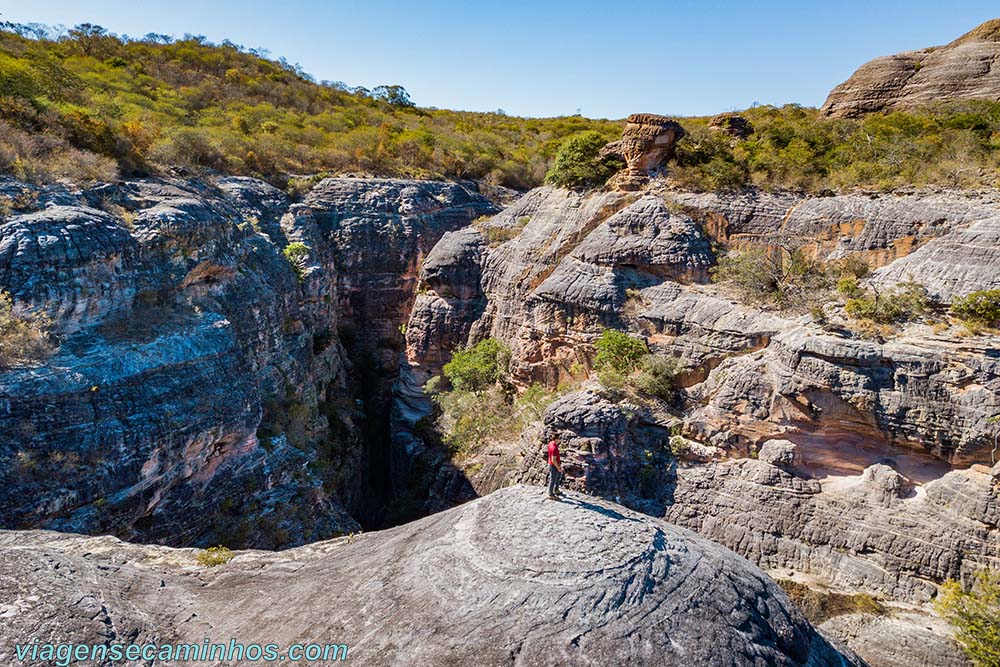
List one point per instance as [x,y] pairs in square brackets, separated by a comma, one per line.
[554,478]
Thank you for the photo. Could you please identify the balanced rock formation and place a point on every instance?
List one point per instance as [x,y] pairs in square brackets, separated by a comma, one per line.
[647,142]
[967,68]
[509,579]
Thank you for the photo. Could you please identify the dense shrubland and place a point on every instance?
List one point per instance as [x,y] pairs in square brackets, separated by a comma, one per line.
[949,144]
[86,104]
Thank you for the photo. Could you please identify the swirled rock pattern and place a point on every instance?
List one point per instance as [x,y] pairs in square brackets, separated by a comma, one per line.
[510,579]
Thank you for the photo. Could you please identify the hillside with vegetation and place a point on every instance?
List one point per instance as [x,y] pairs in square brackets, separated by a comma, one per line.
[89,104]
[86,104]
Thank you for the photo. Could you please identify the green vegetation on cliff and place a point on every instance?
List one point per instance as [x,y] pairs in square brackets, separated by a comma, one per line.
[89,104]
[579,163]
[975,613]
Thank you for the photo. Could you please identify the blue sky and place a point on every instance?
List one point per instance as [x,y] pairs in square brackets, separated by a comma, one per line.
[605,59]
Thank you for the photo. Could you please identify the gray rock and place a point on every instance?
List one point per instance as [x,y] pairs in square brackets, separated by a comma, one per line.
[903,639]
[510,578]
[781,453]
[201,393]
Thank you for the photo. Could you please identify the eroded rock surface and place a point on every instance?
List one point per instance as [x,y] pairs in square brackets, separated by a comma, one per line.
[964,69]
[507,579]
[805,447]
[202,392]
[647,142]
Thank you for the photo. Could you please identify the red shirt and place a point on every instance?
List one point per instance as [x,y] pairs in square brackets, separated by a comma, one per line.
[554,453]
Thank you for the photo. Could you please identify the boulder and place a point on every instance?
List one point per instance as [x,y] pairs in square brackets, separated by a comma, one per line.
[964,69]
[781,453]
[511,578]
[734,125]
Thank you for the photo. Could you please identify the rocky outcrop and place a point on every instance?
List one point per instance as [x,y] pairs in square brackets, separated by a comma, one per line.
[805,447]
[508,579]
[201,392]
[903,639]
[647,142]
[878,228]
[734,125]
[580,264]
[964,69]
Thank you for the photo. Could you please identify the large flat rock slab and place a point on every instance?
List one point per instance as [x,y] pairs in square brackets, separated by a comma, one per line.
[508,579]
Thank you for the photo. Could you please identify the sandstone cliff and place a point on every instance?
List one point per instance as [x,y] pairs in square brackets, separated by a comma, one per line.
[861,465]
[507,579]
[967,68]
[206,389]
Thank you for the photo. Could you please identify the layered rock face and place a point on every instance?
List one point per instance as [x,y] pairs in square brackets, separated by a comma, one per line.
[201,393]
[964,69]
[581,264]
[507,579]
[809,450]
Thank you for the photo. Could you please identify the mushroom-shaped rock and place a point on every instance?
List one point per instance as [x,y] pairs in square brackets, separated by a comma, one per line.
[647,142]
[508,579]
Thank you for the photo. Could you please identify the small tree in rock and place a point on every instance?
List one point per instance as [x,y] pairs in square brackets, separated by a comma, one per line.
[579,163]
[478,367]
[975,613]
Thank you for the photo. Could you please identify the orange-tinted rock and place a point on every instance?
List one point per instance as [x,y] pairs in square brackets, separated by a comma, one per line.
[964,69]
[647,142]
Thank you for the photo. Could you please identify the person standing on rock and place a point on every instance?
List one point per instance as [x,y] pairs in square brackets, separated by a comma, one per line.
[555,468]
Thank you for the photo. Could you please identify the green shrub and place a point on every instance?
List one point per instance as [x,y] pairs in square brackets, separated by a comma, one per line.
[791,278]
[848,286]
[613,383]
[579,165]
[904,302]
[23,338]
[478,367]
[982,307]
[469,419]
[679,446]
[618,351]
[657,376]
[297,254]
[213,556]
[975,614]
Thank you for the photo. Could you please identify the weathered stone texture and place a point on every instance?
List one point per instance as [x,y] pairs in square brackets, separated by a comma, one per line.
[511,578]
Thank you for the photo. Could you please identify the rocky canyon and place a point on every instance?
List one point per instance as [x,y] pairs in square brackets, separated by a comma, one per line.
[789,463]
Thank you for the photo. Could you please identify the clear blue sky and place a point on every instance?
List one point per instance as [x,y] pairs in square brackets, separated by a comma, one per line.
[605,59]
